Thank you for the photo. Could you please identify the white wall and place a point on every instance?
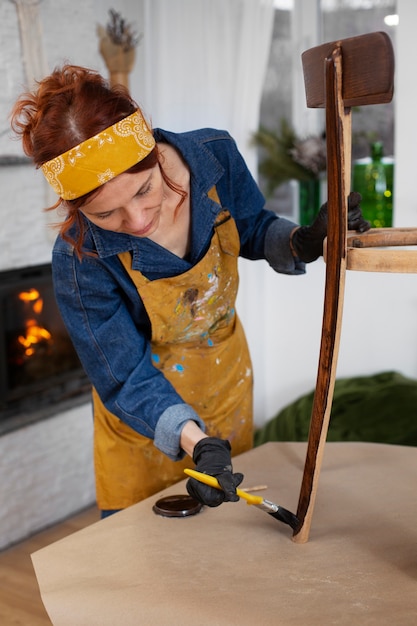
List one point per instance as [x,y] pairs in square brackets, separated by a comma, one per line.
[405,117]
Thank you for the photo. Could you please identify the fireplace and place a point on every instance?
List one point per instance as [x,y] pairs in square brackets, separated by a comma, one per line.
[39,368]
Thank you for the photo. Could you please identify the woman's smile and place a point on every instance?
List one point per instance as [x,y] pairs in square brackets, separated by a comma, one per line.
[146,230]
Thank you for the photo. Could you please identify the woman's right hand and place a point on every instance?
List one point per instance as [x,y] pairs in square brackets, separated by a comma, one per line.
[212,456]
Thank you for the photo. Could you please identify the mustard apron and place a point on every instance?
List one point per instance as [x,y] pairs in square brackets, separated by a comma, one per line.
[199,344]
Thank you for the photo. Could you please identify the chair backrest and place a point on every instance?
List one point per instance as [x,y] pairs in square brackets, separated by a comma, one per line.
[368,70]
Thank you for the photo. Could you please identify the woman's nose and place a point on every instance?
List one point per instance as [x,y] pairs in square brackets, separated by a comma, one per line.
[135,218]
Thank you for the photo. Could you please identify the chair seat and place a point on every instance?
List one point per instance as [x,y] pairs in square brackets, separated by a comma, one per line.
[392,260]
[381,250]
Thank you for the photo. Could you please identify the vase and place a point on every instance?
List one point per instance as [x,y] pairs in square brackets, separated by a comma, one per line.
[119,61]
[373,179]
[309,200]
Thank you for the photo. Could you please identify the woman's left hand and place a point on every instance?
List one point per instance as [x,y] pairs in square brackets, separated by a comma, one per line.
[307,241]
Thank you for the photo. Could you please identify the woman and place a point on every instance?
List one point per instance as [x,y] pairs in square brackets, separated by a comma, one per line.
[145,275]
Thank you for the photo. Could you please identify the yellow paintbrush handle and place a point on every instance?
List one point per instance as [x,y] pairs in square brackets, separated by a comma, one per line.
[211,481]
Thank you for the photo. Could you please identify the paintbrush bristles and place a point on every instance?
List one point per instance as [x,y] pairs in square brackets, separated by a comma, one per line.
[283,515]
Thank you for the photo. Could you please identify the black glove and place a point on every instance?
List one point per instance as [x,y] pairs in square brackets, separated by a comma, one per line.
[212,456]
[307,241]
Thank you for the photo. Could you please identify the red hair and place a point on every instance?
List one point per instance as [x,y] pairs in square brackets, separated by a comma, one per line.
[69,106]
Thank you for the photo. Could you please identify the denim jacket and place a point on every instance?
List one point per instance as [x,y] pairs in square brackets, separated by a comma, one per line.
[103,312]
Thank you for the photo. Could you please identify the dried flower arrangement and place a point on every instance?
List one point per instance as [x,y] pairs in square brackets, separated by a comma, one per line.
[287,157]
[121,33]
[118,43]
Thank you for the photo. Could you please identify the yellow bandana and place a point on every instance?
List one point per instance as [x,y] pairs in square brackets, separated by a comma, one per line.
[100,158]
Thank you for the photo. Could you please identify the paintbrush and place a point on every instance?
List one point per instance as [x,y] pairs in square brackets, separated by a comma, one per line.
[273,509]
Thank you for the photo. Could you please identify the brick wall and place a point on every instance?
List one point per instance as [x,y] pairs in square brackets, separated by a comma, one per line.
[69,34]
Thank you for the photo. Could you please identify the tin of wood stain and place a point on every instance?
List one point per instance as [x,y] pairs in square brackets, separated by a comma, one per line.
[177,506]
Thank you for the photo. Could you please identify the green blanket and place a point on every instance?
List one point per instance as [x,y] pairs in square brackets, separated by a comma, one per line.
[380,408]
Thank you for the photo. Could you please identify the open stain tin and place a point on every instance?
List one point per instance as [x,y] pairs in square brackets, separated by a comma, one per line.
[177,506]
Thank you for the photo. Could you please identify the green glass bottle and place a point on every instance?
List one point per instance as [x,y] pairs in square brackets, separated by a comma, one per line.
[309,201]
[373,179]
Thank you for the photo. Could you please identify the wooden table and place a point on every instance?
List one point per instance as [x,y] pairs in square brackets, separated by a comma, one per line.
[236,565]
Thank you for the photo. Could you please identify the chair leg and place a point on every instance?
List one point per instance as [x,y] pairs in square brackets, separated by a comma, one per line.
[323,397]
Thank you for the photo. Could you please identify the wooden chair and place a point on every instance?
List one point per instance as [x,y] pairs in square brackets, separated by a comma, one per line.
[338,76]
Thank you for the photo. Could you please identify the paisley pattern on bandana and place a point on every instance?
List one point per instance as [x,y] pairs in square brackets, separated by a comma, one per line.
[97,160]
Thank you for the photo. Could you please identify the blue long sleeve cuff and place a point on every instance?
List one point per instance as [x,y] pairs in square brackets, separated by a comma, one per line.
[169,427]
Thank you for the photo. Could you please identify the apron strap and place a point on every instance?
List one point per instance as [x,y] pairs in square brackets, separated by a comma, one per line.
[213,195]
[224,215]
[126,259]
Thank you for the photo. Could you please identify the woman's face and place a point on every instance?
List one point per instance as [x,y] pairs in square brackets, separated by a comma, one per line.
[130,203]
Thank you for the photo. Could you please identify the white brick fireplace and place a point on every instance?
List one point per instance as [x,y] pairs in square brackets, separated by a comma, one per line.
[46,466]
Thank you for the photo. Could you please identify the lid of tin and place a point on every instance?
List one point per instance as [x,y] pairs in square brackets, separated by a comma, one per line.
[177,506]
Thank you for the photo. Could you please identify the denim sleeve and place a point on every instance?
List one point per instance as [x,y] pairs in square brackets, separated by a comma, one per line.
[114,352]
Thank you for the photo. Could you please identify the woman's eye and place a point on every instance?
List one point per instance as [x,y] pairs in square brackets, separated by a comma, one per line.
[144,190]
[103,216]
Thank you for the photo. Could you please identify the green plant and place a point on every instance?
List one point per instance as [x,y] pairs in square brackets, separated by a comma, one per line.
[284,156]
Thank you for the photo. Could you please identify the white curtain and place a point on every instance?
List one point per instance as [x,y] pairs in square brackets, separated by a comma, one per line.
[205,62]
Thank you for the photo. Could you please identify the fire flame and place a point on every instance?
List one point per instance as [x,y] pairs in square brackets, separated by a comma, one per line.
[34,333]
[29,296]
